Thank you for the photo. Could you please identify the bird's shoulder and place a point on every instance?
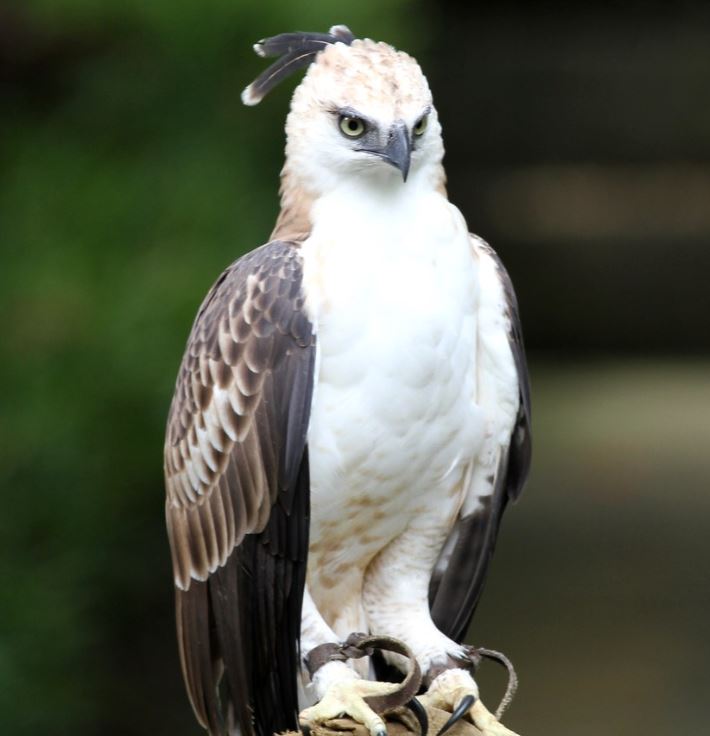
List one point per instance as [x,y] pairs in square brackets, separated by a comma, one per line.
[259,293]
[502,329]
[496,277]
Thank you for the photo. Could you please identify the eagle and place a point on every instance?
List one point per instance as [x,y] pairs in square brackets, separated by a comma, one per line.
[350,419]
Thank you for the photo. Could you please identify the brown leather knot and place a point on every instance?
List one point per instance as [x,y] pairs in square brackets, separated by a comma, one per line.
[336,652]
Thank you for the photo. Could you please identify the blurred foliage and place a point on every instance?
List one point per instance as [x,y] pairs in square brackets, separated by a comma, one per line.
[130,175]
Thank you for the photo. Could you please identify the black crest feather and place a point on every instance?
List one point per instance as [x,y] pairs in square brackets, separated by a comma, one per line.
[295,51]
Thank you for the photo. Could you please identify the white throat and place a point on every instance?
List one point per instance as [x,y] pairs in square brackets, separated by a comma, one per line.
[379,211]
[390,246]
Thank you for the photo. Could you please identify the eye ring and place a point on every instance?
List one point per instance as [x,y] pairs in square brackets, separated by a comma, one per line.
[421,125]
[352,126]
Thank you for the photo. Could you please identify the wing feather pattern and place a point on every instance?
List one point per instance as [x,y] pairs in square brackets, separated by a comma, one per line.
[237,505]
[460,574]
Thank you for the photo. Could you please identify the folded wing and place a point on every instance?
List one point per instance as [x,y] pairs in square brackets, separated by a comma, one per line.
[237,505]
[460,573]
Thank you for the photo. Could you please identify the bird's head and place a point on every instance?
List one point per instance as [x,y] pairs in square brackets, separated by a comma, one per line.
[363,110]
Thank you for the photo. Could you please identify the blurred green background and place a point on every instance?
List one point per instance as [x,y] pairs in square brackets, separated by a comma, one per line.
[578,141]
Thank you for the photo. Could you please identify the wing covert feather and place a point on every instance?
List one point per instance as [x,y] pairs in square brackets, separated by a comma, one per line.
[232,444]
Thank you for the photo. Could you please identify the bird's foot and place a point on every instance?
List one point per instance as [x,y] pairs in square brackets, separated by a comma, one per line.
[346,696]
[344,693]
[454,690]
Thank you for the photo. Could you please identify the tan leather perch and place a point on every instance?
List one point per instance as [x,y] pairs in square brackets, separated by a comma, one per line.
[396,726]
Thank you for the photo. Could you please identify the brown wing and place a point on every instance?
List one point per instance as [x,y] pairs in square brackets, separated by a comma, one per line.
[456,585]
[237,507]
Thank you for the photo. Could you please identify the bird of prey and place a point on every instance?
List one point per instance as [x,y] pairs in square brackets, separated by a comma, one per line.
[350,418]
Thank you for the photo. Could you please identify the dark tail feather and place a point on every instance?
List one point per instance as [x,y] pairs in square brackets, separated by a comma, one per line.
[454,601]
[277,660]
[198,657]
[234,642]
[256,602]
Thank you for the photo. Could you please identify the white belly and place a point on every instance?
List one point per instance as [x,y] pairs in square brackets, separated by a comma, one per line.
[394,420]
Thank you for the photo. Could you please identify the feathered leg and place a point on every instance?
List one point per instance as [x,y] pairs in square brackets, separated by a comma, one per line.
[336,685]
[395,598]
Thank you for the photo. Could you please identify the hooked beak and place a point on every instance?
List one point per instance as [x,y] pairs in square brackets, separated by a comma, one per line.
[398,149]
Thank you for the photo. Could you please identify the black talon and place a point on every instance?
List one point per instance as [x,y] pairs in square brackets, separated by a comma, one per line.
[420,714]
[305,729]
[381,732]
[459,712]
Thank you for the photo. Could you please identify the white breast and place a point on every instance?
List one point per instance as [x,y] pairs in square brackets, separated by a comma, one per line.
[392,288]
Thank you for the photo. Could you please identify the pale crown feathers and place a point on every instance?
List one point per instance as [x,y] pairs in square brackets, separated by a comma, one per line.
[396,133]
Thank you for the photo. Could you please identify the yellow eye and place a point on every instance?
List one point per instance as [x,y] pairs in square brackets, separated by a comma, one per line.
[420,125]
[351,126]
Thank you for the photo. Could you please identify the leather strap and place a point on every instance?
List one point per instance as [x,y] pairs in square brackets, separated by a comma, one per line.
[470,660]
[334,652]
[359,645]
